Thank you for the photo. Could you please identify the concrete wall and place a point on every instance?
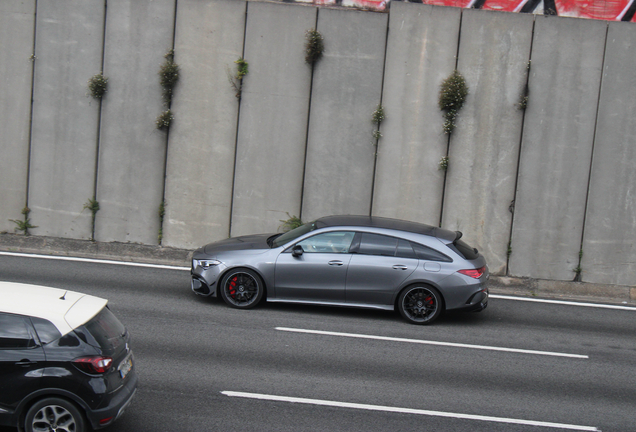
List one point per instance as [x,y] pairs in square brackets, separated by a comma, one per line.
[16,69]
[68,47]
[556,148]
[272,133]
[421,53]
[484,149]
[300,140]
[132,151]
[200,171]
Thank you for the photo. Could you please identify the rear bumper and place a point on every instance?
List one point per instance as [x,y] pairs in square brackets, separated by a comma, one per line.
[103,417]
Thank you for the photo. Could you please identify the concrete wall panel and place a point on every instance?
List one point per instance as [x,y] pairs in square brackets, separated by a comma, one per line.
[201,150]
[16,69]
[609,247]
[273,123]
[69,42]
[556,149]
[346,90]
[132,150]
[422,47]
[484,148]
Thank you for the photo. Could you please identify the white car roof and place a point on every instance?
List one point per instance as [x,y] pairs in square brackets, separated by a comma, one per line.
[67,310]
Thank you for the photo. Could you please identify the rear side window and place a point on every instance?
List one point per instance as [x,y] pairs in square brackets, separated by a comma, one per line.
[46,331]
[429,254]
[375,244]
[464,250]
[104,329]
[15,332]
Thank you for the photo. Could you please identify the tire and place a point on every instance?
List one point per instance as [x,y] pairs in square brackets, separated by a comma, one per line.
[242,288]
[420,304]
[54,414]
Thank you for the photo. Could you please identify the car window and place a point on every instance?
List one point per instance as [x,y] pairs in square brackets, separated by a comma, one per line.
[429,254]
[105,330]
[405,250]
[330,242]
[293,234]
[15,332]
[45,329]
[376,244]
[464,250]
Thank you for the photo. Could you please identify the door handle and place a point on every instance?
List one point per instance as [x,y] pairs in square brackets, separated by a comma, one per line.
[335,263]
[400,267]
[25,362]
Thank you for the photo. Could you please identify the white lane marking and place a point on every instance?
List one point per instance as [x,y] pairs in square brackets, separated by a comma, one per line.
[405,410]
[563,302]
[95,261]
[427,342]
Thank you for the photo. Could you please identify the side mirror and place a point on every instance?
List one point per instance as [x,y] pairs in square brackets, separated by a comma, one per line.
[297,251]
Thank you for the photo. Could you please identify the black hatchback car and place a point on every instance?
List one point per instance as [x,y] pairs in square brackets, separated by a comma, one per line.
[65,360]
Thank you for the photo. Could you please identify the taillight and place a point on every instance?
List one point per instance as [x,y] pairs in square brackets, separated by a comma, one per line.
[93,365]
[473,273]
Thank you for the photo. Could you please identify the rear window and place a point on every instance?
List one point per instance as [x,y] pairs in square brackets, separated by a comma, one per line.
[104,330]
[464,250]
[429,254]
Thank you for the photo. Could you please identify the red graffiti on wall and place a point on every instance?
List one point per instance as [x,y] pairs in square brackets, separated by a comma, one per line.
[611,10]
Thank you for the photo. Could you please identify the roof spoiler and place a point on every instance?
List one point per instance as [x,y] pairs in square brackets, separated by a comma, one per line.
[458,236]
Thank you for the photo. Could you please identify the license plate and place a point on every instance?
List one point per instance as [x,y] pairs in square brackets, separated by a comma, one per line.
[125,366]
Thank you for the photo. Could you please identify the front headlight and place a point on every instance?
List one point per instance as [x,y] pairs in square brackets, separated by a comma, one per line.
[206,263]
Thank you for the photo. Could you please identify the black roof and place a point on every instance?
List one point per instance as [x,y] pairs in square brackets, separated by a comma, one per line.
[388,223]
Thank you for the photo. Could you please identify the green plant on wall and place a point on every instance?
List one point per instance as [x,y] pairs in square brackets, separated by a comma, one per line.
[23,225]
[314,46]
[93,206]
[523,98]
[162,213]
[377,118]
[168,78]
[164,120]
[290,223]
[443,163]
[452,96]
[98,86]
[236,80]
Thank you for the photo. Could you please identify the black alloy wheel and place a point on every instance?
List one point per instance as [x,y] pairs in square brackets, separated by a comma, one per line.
[54,414]
[420,304]
[242,289]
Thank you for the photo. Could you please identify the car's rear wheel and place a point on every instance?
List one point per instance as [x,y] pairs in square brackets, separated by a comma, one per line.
[54,414]
[242,289]
[420,304]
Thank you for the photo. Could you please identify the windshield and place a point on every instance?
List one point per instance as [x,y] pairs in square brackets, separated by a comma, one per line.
[293,234]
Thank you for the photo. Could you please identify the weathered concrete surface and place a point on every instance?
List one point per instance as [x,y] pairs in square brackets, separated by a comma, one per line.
[609,250]
[69,41]
[556,148]
[422,46]
[201,148]
[132,150]
[346,90]
[16,72]
[273,122]
[484,148]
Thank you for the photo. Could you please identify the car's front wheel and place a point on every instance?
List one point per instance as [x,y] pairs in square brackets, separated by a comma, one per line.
[420,304]
[54,414]
[242,289]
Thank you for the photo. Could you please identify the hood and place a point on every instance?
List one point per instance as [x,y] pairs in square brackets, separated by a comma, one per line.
[253,242]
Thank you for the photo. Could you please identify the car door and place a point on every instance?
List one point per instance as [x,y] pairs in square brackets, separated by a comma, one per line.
[319,273]
[22,360]
[379,266]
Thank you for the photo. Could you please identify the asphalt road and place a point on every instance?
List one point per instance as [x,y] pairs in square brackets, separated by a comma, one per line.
[517,366]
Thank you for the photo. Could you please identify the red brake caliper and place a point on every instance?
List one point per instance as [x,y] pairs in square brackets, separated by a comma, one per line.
[233,286]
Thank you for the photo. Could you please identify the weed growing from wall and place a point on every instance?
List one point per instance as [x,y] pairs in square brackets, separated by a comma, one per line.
[23,225]
[236,80]
[168,77]
[377,118]
[291,223]
[452,96]
[314,47]
[162,213]
[523,99]
[164,120]
[98,86]
[93,206]
[443,163]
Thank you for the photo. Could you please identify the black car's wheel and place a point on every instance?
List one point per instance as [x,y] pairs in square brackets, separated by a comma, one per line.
[420,304]
[54,414]
[242,288]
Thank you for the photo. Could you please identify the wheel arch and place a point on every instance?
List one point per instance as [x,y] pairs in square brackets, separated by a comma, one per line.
[33,398]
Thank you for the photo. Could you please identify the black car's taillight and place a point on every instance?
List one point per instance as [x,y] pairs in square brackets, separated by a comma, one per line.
[94,364]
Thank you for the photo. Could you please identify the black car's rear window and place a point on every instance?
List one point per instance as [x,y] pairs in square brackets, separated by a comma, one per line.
[464,250]
[105,330]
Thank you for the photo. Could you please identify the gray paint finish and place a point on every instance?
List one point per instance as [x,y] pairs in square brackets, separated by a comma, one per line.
[273,122]
[609,251]
[422,46]
[69,43]
[346,90]
[132,150]
[556,149]
[16,47]
[209,38]
[484,148]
